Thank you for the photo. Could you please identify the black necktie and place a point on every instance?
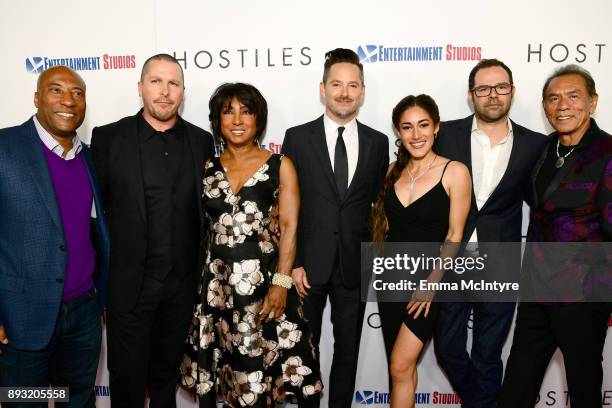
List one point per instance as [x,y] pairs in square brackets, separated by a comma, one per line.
[341,164]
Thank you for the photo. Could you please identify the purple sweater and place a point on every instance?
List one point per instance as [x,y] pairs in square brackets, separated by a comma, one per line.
[74,198]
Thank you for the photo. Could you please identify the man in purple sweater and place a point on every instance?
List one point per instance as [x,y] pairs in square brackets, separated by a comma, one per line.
[53,247]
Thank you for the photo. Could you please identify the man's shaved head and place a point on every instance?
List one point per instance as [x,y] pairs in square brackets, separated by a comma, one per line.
[59,68]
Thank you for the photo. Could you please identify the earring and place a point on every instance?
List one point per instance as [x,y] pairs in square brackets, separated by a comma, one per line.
[398,142]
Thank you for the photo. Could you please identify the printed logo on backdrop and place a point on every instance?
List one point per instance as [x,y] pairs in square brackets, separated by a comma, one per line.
[240,58]
[561,398]
[36,65]
[368,53]
[567,52]
[373,320]
[367,397]
[271,147]
[371,53]
[102,390]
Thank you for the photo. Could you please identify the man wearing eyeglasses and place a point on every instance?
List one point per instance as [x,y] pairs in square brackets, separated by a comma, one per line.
[500,156]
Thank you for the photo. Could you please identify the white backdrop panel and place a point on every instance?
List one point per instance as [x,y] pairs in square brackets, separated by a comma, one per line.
[279,46]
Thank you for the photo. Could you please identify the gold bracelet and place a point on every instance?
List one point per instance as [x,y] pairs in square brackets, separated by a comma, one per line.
[281,280]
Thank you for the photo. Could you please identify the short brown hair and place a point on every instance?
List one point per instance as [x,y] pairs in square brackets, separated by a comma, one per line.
[341,55]
[160,57]
[487,63]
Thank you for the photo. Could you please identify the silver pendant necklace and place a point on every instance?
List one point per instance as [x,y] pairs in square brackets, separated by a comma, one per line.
[561,159]
[413,179]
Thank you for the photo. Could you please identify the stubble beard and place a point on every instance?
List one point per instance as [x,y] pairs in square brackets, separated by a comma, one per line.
[163,116]
[484,115]
[346,114]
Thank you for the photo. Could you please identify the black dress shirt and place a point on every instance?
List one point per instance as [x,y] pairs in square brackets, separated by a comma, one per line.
[170,201]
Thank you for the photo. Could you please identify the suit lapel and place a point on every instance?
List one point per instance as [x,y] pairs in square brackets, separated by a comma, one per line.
[517,144]
[319,144]
[534,175]
[464,149]
[196,155]
[465,143]
[562,173]
[130,153]
[40,172]
[93,181]
[362,159]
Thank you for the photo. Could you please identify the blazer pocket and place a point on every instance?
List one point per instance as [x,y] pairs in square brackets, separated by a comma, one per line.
[12,284]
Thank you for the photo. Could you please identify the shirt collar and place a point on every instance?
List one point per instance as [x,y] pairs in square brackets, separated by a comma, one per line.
[147,131]
[349,128]
[54,145]
[476,130]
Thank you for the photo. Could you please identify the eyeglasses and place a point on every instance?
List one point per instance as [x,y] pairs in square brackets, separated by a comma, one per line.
[485,90]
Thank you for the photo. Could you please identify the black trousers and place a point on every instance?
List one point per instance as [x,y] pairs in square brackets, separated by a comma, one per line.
[347,311]
[476,376]
[145,345]
[579,330]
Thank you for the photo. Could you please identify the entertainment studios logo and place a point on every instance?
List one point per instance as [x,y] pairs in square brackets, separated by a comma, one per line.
[102,390]
[367,397]
[36,65]
[371,53]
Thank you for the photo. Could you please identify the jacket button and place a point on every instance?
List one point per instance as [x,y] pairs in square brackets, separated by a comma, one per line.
[59,280]
[62,247]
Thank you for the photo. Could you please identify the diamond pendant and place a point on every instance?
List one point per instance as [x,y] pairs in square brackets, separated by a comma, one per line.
[411,186]
[560,162]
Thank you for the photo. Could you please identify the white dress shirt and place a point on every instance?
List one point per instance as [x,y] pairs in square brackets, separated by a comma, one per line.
[54,145]
[488,164]
[351,141]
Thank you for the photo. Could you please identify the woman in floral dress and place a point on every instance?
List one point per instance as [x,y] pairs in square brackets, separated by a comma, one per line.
[249,344]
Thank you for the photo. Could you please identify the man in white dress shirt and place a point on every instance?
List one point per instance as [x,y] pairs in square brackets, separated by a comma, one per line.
[500,156]
[341,164]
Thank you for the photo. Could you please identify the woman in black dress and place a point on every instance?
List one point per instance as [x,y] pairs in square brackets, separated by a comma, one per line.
[425,198]
[249,343]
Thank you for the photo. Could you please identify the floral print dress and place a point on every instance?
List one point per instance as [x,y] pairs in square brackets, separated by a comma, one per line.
[230,353]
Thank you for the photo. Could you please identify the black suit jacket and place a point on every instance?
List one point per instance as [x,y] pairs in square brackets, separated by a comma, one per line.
[116,153]
[330,226]
[500,218]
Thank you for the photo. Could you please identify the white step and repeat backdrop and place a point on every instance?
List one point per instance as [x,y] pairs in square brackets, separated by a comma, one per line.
[279,46]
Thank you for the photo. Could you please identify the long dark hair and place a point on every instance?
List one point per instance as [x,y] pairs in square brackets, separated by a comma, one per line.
[378,218]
